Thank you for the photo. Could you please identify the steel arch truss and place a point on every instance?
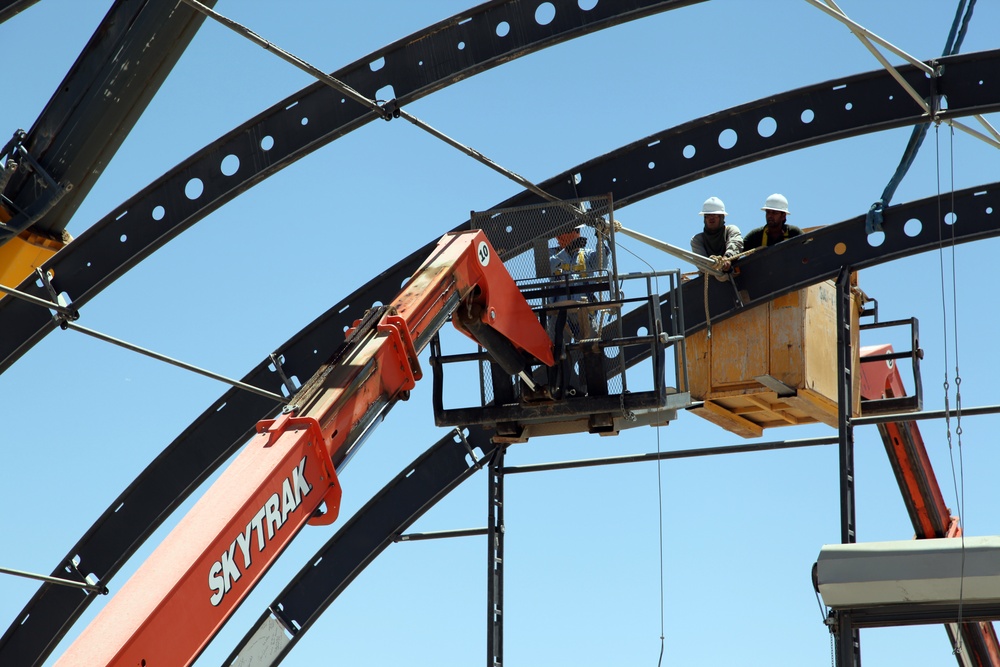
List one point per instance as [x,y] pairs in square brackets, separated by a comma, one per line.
[414,67]
[969,82]
[834,110]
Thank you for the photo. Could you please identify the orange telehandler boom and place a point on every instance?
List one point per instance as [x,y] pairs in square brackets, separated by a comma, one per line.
[170,609]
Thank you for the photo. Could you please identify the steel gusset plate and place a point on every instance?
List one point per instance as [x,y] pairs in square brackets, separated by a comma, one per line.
[98,102]
[367,534]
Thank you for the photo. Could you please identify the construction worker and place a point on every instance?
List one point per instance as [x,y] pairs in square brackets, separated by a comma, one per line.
[717,240]
[775,229]
[575,316]
[574,258]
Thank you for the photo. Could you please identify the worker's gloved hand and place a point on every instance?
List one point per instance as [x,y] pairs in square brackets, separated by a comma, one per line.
[721,263]
[618,225]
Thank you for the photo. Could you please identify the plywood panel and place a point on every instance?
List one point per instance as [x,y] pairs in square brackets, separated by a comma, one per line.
[793,340]
[740,349]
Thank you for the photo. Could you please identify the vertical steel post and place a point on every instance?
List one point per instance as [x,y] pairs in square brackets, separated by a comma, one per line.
[494,593]
[848,647]
[848,640]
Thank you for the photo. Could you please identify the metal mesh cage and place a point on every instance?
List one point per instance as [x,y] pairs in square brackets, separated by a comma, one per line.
[562,257]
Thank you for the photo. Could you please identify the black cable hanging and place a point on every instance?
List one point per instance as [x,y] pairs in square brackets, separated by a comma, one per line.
[959,27]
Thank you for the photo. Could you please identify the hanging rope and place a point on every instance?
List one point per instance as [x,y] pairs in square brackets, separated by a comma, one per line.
[960,490]
[959,487]
[959,27]
[659,496]
[659,481]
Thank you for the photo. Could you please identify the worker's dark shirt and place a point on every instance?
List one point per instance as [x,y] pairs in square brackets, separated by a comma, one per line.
[757,238]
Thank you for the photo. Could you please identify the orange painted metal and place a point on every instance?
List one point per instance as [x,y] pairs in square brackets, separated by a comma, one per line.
[184,592]
[915,475]
[182,595]
[465,262]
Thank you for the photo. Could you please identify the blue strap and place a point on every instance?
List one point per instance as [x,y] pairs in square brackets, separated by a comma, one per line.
[959,27]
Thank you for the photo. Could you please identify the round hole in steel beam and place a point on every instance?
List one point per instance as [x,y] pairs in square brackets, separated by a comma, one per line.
[767,126]
[194,188]
[267,143]
[503,29]
[912,227]
[159,212]
[689,151]
[875,239]
[848,106]
[545,13]
[950,218]
[587,5]
[807,116]
[727,138]
[229,165]
[461,46]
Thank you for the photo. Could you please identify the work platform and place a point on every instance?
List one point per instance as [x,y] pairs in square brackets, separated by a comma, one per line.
[579,298]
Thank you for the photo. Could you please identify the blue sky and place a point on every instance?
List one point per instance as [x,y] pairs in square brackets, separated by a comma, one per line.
[83,418]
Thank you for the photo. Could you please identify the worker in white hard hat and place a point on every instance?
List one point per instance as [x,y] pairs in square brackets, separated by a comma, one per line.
[775,229]
[717,239]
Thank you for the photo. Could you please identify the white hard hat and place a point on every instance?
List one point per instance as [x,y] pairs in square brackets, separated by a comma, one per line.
[776,202]
[713,206]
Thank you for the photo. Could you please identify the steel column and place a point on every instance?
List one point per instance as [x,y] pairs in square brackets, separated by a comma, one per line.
[848,639]
[494,593]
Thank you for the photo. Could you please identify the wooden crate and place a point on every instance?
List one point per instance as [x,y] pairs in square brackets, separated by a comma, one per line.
[773,365]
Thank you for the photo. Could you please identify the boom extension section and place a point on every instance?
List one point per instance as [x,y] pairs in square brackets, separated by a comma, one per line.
[167,613]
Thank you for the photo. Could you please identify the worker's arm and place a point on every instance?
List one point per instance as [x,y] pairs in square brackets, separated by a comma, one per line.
[703,263]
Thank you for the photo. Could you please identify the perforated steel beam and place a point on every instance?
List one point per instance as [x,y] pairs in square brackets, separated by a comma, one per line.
[218,432]
[97,258]
[215,434]
[369,532]
[9,8]
[802,118]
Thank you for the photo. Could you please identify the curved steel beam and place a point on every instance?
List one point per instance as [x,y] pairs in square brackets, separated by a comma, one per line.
[95,107]
[909,229]
[11,8]
[417,488]
[414,66]
[220,430]
[764,275]
[161,211]
[805,117]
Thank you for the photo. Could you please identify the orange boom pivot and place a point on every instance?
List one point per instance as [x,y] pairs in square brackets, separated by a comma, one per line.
[170,609]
